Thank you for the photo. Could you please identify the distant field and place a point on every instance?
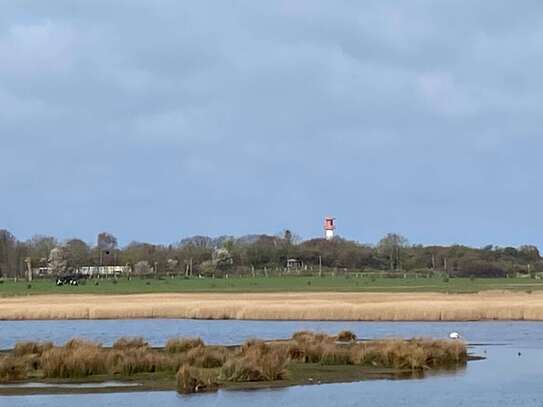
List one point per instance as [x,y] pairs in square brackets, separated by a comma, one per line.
[272,284]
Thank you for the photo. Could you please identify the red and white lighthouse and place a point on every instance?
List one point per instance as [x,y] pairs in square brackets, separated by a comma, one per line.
[329,227]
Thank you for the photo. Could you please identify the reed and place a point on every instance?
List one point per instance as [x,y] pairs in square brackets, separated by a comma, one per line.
[11,368]
[194,380]
[256,361]
[199,367]
[130,343]
[76,359]
[281,306]
[346,336]
[415,354]
[206,356]
[179,345]
[31,348]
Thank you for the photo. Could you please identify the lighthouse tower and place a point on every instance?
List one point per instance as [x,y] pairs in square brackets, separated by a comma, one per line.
[329,227]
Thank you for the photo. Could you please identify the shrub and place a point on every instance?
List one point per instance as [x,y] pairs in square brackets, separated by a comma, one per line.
[178,345]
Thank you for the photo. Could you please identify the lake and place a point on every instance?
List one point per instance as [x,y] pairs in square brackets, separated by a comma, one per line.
[510,376]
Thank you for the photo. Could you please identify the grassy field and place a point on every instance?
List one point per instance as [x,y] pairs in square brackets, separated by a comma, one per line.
[272,284]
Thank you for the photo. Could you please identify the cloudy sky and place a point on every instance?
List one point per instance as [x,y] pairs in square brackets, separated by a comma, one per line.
[157,120]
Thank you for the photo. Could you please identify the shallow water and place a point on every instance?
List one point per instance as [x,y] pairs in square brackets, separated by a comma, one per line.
[505,378]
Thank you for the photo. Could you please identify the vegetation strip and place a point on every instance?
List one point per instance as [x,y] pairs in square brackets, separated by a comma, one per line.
[280,306]
[191,366]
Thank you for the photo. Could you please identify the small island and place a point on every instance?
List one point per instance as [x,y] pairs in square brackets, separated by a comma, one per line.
[190,366]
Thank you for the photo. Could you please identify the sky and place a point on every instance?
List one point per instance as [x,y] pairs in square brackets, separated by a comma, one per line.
[159,120]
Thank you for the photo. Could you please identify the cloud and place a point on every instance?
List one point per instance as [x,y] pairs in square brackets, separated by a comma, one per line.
[156,121]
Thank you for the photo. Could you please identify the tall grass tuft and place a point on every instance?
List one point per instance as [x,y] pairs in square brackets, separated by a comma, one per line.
[194,380]
[179,345]
[31,348]
[11,368]
[346,336]
[77,358]
[256,361]
[130,343]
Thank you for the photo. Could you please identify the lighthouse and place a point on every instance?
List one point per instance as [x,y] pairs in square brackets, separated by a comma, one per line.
[329,227]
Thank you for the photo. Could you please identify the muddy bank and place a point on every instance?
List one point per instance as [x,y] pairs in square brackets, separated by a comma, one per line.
[281,306]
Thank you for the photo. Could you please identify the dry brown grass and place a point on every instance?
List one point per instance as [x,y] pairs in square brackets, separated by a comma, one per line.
[77,358]
[412,354]
[200,367]
[346,336]
[130,343]
[256,361]
[206,356]
[195,380]
[31,348]
[178,345]
[281,306]
[11,368]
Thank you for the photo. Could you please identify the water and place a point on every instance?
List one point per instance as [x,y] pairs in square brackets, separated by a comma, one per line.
[505,378]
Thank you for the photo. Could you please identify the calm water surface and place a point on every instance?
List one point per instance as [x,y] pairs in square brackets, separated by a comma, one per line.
[505,378]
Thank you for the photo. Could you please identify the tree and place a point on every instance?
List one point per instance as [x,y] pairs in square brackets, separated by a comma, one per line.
[142,267]
[57,261]
[40,247]
[77,253]
[391,246]
[106,244]
[8,253]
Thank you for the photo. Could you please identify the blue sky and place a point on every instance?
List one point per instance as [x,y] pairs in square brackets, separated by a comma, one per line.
[157,120]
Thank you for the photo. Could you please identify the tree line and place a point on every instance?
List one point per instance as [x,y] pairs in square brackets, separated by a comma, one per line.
[203,255]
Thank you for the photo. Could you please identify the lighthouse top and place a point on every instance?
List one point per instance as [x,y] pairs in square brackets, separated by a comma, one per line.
[329,227]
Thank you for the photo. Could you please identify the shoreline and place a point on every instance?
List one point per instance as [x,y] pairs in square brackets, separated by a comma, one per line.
[326,306]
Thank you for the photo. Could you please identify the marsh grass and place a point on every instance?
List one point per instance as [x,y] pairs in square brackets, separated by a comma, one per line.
[179,345]
[195,380]
[198,367]
[31,348]
[11,368]
[130,343]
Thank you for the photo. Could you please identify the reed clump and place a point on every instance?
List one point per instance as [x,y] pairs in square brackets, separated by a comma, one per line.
[31,348]
[195,380]
[206,356]
[130,343]
[198,367]
[346,336]
[11,368]
[414,354]
[256,361]
[77,358]
[179,345]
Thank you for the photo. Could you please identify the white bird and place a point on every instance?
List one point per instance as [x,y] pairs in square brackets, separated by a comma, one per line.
[455,335]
